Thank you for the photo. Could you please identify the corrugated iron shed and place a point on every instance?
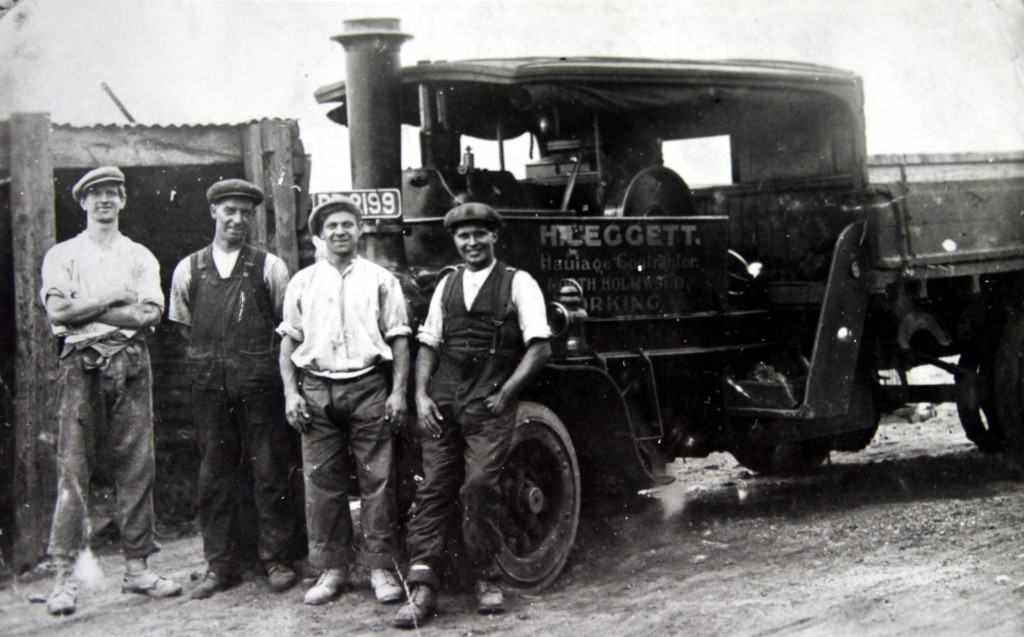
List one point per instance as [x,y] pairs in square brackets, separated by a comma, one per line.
[168,169]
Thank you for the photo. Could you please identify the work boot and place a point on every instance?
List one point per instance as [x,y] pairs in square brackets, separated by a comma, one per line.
[417,609]
[280,576]
[385,585]
[65,591]
[139,579]
[214,582]
[489,599]
[326,588]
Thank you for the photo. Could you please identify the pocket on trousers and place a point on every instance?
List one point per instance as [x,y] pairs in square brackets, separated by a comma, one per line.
[314,390]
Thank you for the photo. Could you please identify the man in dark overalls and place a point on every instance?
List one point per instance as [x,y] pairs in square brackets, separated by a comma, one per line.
[486,335]
[227,298]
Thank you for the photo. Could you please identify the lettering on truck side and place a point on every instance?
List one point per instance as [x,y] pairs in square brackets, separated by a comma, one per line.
[593,235]
[623,268]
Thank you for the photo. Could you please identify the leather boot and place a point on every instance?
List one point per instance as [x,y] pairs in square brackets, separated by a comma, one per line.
[417,609]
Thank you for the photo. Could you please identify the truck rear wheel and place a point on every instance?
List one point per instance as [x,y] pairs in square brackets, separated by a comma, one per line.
[540,511]
[975,405]
[1009,386]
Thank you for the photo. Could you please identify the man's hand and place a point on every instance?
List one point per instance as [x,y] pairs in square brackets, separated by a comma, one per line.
[497,402]
[428,416]
[297,412]
[396,410]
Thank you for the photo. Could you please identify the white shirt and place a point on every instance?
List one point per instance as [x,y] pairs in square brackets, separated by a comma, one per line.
[82,268]
[224,261]
[527,299]
[343,321]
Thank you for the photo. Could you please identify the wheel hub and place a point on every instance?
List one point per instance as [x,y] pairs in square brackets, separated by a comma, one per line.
[531,497]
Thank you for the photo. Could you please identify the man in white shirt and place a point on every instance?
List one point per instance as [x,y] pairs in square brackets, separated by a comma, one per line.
[227,298]
[485,337]
[102,296]
[345,323]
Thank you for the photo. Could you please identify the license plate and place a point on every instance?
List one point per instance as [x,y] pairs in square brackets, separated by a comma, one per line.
[376,203]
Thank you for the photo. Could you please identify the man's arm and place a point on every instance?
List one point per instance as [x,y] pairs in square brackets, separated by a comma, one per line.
[427,413]
[72,312]
[295,408]
[396,409]
[179,311]
[134,316]
[536,356]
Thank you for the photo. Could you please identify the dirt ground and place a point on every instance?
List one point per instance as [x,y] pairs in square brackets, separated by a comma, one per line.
[919,534]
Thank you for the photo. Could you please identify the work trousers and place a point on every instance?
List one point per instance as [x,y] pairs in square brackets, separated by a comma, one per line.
[348,415]
[243,437]
[465,463]
[105,419]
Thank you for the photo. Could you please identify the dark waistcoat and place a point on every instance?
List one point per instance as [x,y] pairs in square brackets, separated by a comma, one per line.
[482,345]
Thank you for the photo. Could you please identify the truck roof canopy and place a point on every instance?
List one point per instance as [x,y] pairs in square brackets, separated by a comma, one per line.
[481,93]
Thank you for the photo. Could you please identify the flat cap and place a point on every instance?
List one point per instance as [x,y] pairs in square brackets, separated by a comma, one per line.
[475,213]
[234,188]
[316,218]
[96,176]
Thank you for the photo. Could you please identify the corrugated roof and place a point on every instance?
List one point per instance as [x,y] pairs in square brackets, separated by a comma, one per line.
[194,125]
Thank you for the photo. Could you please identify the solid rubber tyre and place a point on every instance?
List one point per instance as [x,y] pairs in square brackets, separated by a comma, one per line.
[540,509]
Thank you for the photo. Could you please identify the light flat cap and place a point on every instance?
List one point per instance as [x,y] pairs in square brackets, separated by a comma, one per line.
[316,218]
[234,188]
[95,177]
[473,213]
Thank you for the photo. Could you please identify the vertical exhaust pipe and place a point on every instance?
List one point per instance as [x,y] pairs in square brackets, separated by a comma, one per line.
[373,103]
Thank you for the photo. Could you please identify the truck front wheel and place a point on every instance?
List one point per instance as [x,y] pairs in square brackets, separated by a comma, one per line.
[540,512]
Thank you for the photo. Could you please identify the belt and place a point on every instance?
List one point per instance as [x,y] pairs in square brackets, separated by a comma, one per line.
[373,371]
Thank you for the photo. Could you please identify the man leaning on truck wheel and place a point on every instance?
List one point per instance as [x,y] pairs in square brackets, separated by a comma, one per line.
[486,335]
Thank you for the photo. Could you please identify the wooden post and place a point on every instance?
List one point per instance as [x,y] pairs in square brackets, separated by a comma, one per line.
[34,229]
[252,157]
[277,141]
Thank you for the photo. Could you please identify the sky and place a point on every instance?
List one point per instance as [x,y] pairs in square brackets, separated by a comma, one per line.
[939,75]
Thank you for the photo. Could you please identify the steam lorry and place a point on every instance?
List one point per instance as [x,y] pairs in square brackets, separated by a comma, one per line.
[726,268]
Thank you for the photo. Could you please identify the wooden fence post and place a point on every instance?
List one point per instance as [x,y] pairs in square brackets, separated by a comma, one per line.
[252,157]
[34,229]
[277,139]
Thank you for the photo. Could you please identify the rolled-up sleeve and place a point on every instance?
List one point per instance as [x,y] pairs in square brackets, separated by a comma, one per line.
[291,320]
[530,307]
[276,276]
[148,280]
[394,315]
[431,331]
[180,310]
[56,277]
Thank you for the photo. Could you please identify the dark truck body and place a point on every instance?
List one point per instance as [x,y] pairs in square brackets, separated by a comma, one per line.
[668,341]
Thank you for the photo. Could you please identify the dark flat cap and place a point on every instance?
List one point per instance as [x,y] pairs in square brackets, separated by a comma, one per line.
[96,176]
[234,188]
[473,213]
[316,218]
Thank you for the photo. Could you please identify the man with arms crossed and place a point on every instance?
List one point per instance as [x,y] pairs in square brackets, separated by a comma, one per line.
[227,300]
[102,295]
[345,320]
[486,335]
